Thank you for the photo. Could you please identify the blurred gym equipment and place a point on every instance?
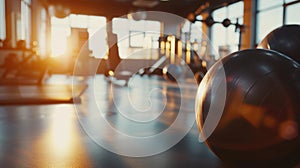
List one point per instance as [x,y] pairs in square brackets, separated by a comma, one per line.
[172,72]
[156,68]
[173,56]
[23,74]
[22,66]
[43,94]
[114,70]
[260,120]
[285,39]
[209,21]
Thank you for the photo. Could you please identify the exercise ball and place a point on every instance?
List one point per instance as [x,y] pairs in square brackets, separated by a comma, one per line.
[248,110]
[172,72]
[285,39]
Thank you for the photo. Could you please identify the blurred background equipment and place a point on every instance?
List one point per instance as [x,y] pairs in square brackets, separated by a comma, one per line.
[23,66]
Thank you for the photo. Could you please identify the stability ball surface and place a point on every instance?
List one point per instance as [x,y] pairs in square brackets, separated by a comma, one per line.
[260,119]
[285,39]
[172,72]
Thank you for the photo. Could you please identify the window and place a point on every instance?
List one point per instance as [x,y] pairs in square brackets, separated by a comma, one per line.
[293,14]
[97,36]
[192,38]
[132,35]
[95,25]
[219,33]
[272,14]
[60,30]
[267,4]
[266,21]
[136,38]
[136,35]
[226,38]
[25,22]
[43,32]
[192,31]
[2,20]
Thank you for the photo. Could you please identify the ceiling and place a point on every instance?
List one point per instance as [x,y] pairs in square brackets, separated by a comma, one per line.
[114,8]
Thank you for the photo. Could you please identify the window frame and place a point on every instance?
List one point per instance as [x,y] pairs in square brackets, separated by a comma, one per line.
[2,20]
[284,7]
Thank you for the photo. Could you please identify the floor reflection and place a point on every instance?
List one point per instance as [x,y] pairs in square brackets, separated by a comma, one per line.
[60,145]
[47,136]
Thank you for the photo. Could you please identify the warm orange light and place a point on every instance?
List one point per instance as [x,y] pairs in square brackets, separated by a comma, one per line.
[203,49]
[60,145]
[188,52]
[59,44]
[168,47]
[204,64]
[61,136]
[195,46]
[172,43]
[179,48]
[288,130]
[162,47]
[111,73]
[59,38]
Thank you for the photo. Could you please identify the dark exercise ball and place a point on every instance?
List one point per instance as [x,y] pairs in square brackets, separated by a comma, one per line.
[248,110]
[285,39]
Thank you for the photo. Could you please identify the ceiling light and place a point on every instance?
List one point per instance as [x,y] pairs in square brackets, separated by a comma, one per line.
[58,11]
[138,15]
[145,3]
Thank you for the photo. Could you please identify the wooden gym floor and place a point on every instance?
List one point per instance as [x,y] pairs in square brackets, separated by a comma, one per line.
[56,135]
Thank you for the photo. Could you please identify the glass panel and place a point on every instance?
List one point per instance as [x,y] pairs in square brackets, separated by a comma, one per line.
[97,36]
[218,36]
[236,10]
[138,33]
[293,14]
[268,21]
[120,25]
[96,22]
[220,14]
[233,39]
[152,27]
[2,20]
[136,39]
[218,31]
[137,25]
[27,1]
[152,38]
[43,32]
[264,4]
[25,23]
[95,25]
[57,21]
[196,32]
[123,47]
[59,40]
[186,27]
[79,21]
[225,40]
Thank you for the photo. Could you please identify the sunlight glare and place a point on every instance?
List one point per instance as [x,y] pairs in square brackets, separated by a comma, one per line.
[61,136]
[59,41]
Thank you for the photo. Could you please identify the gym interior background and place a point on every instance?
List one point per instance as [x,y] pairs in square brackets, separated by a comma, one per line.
[76,76]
